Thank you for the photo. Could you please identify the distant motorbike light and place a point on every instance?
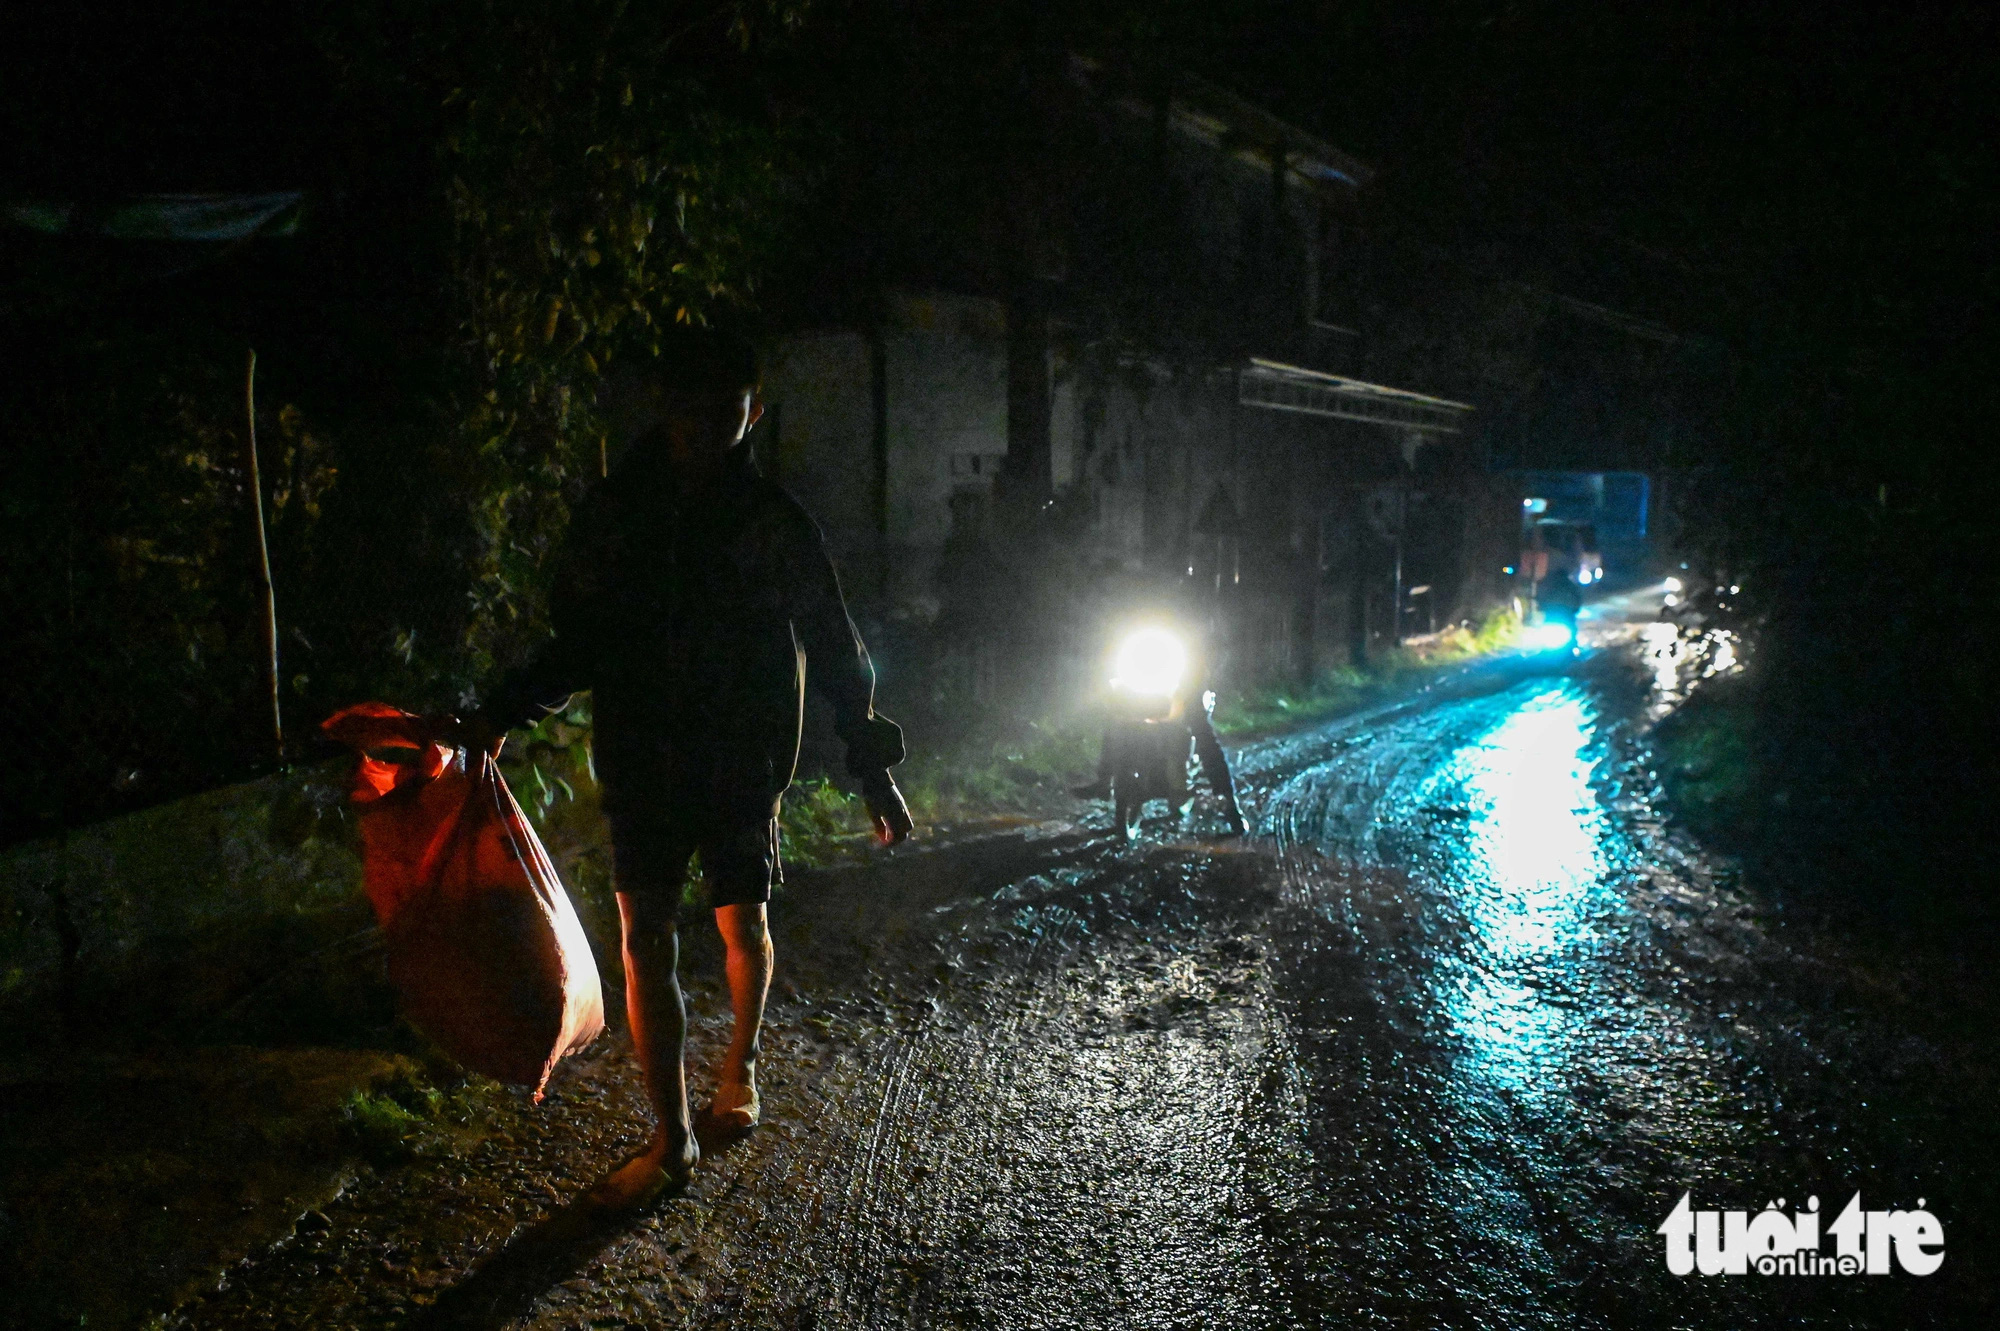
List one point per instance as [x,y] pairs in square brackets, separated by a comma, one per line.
[1551,634]
[1150,663]
[1673,584]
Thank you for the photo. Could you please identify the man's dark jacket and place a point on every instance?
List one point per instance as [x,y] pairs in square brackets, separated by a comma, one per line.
[694,615]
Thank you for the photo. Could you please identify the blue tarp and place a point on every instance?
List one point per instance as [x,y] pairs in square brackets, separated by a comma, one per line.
[190,217]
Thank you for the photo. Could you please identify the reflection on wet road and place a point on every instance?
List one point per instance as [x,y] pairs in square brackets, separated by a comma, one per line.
[1441,1048]
[1532,1019]
[1469,887]
[1533,858]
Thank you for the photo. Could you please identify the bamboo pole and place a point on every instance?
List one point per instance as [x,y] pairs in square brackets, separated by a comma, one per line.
[268,620]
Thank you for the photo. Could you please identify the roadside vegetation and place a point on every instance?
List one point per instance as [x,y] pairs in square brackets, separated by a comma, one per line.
[507,203]
[1345,688]
[1709,762]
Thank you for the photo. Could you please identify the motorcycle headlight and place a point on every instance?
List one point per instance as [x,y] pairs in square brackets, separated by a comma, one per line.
[1150,662]
[1551,635]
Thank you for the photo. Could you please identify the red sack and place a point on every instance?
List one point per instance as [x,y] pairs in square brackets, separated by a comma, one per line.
[484,946]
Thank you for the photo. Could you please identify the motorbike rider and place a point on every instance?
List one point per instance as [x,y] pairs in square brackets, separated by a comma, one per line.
[1193,705]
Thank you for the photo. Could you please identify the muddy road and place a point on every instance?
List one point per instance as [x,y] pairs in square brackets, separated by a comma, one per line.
[1441,1046]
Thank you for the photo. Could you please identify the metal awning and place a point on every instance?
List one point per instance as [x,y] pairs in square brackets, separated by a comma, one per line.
[1280,387]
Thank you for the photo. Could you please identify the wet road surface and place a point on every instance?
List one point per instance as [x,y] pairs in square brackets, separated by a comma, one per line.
[1441,1046]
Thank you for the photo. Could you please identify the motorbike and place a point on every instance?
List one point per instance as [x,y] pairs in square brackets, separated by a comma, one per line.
[1148,745]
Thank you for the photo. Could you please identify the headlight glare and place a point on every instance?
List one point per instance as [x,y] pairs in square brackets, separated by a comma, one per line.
[1550,634]
[1150,662]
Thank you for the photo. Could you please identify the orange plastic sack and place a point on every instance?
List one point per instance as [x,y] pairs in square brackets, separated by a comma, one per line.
[484,946]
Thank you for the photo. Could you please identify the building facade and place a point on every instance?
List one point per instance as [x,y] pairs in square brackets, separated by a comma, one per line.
[1146,405]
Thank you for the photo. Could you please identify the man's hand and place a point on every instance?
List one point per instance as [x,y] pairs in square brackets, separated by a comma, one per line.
[886,808]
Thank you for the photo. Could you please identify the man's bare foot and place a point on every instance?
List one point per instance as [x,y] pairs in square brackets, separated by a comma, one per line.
[736,1105]
[647,1177]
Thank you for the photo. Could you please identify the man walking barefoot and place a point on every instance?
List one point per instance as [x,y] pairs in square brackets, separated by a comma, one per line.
[695,599]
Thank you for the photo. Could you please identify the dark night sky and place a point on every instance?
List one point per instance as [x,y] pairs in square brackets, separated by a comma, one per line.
[1824,164]
[1818,162]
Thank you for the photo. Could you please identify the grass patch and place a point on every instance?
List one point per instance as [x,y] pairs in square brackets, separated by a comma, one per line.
[1708,756]
[1278,705]
[382,1128]
[406,1117]
[980,777]
[1345,688]
[821,824]
[1012,773]
[1710,763]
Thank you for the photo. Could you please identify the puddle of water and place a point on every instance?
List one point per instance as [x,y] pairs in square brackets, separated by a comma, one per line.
[1679,662]
[1532,878]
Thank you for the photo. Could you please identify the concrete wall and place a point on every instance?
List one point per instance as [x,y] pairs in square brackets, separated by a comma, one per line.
[819,389]
[944,365]
[1246,257]
[947,364]
[1146,454]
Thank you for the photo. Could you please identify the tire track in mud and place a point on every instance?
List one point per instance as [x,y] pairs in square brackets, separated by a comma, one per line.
[1047,1131]
[1384,1227]
[1054,1107]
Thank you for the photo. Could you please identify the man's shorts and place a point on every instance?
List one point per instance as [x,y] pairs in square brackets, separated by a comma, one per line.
[739,852]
